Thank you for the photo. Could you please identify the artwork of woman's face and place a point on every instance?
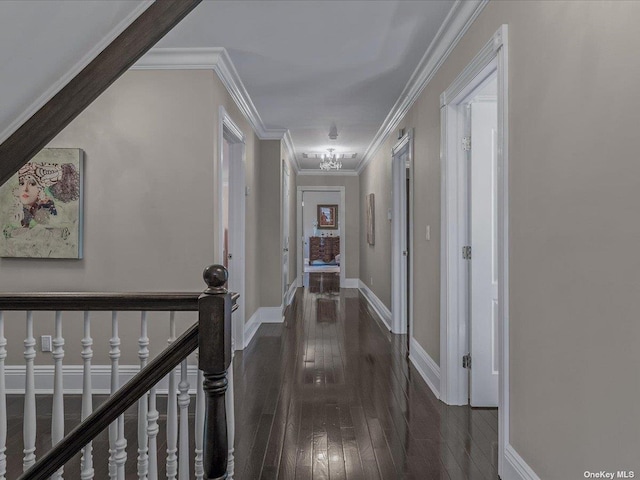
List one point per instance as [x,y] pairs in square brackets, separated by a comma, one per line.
[28,190]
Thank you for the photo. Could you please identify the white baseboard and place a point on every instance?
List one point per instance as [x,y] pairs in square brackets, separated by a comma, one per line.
[262,315]
[377,305]
[426,366]
[250,328]
[351,282]
[271,314]
[291,292]
[515,468]
[72,376]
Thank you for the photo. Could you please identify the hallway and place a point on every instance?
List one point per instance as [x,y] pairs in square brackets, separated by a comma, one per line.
[329,394]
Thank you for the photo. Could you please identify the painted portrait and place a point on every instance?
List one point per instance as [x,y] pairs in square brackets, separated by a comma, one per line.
[41,207]
[328,216]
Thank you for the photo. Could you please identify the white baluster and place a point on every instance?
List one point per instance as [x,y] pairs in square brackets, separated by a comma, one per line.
[183,403]
[29,426]
[172,412]
[143,439]
[117,442]
[199,426]
[57,410]
[3,402]
[152,432]
[86,462]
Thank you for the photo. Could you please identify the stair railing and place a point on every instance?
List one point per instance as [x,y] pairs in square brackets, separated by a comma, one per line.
[212,334]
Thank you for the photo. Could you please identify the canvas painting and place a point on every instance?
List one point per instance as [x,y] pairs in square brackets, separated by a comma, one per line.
[371,219]
[41,207]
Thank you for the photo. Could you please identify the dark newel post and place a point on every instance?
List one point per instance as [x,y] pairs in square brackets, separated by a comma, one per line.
[215,307]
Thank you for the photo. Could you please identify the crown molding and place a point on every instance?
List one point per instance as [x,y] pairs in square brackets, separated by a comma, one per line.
[75,70]
[218,60]
[288,143]
[455,25]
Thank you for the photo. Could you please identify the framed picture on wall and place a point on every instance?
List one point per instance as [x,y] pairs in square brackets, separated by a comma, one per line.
[41,207]
[328,216]
[371,219]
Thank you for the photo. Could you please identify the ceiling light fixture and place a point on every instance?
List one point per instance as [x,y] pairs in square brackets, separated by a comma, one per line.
[331,161]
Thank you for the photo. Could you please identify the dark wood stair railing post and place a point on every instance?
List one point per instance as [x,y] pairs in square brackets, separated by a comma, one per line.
[215,307]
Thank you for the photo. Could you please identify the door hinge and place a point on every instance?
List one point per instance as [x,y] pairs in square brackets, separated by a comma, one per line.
[466,361]
[466,253]
[466,143]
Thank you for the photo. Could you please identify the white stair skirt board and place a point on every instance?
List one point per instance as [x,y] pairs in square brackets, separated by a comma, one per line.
[383,312]
[426,366]
[515,468]
[262,315]
[351,283]
[292,291]
[72,379]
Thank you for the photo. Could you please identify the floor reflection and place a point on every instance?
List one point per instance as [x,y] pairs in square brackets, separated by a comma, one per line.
[331,394]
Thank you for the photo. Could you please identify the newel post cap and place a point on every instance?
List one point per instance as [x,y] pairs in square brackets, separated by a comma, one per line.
[215,276]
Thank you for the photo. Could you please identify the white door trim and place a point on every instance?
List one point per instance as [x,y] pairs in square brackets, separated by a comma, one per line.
[399,307]
[228,129]
[284,222]
[342,220]
[453,300]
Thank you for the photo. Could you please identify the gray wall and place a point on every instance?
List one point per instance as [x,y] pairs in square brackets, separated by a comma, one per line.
[352,207]
[150,143]
[375,260]
[269,245]
[574,191]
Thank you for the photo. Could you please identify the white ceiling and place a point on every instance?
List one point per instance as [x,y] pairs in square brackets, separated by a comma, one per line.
[308,63]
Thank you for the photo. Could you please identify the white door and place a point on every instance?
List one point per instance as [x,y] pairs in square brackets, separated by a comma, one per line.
[285,232]
[484,272]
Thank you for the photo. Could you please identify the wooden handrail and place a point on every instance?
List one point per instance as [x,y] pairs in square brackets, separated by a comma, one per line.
[103,301]
[115,406]
[94,301]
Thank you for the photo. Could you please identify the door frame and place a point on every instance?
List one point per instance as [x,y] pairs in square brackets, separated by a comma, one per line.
[399,307]
[453,278]
[342,216]
[228,129]
[285,232]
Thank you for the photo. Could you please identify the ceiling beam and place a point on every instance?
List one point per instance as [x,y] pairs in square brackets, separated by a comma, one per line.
[143,33]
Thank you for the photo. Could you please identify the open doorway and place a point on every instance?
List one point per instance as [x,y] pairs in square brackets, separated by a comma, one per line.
[474,343]
[231,205]
[321,236]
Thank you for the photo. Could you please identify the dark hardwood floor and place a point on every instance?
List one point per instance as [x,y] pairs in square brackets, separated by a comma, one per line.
[330,394]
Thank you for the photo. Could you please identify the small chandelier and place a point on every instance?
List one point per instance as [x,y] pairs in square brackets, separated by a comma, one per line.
[331,161]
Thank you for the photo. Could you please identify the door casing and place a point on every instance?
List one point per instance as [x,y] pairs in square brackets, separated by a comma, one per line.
[402,311]
[228,130]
